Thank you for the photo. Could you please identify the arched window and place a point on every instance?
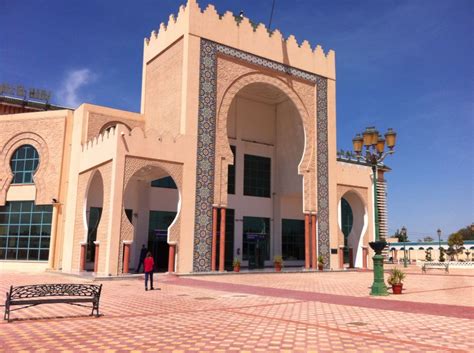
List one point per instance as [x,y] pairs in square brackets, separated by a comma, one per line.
[24,162]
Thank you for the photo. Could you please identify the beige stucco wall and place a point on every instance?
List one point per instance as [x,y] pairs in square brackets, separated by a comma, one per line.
[162,104]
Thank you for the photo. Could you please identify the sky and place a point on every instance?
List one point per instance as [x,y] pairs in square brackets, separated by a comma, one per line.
[404,64]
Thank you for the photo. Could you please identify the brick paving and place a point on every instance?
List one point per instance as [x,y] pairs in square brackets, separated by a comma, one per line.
[287,312]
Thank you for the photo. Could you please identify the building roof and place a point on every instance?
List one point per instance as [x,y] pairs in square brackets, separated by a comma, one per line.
[19,105]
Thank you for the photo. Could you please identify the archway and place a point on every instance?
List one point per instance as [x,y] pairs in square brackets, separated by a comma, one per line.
[353,224]
[151,203]
[93,212]
[264,192]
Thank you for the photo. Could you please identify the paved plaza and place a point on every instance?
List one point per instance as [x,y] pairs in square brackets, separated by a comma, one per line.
[266,312]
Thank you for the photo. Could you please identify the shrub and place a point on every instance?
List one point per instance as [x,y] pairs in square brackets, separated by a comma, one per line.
[396,276]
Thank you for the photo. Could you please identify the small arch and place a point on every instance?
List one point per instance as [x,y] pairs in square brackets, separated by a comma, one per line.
[92,214]
[112,124]
[155,208]
[355,237]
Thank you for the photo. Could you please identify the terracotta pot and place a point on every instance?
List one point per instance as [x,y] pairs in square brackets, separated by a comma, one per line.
[397,288]
[320,267]
[237,268]
[278,267]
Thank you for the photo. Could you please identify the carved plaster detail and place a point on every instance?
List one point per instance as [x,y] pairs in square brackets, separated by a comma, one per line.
[43,194]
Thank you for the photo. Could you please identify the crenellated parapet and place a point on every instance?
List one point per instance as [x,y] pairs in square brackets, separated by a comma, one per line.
[100,148]
[97,141]
[240,33]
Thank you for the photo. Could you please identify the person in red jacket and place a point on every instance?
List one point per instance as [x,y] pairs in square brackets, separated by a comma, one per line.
[148,265]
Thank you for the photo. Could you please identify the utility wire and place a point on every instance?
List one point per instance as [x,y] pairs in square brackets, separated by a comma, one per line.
[271,16]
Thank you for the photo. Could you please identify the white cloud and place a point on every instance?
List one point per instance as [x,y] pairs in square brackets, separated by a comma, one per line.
[69,92]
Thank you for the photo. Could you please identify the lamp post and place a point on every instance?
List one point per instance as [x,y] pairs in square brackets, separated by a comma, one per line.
[405,238]
[439,242]
[374,154]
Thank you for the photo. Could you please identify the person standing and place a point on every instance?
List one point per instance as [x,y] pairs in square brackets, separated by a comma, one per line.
[143,252]
[148,265]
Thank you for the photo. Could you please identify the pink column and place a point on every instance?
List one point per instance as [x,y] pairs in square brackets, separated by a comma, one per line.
[365,254]
[306,241]
[341,257]
[222,241]
[313,242]
[126,257]
[171,258]
[82,266]
[351,258]
[214,238]
[96,259]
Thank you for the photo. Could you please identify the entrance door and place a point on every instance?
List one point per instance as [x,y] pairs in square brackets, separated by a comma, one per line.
[94,219]
[159,222]
[256,242]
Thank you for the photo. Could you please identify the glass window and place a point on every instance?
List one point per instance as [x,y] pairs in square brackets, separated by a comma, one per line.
[24,162]
[95,213]
[257,176]
[231,174]
[292,242]
[166,182]
[19,238]
[158,224]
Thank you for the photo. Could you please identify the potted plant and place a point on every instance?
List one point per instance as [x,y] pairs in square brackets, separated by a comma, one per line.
[396,280]
[278,262]
[236,264]
[320,263]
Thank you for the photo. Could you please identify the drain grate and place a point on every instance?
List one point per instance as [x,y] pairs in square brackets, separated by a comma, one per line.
[358,323]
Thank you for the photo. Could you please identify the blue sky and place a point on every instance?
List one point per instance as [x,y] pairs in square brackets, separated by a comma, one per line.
[401,64]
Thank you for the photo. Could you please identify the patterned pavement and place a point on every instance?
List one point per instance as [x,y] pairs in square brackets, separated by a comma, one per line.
[284,312]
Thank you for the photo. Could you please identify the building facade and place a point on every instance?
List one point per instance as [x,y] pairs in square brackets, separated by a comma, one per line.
[233,155]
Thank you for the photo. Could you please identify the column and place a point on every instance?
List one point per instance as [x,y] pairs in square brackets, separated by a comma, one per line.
[126,256]
[52,246]
[306,241]
[341,257]
[222,241]
[82,260]
[365,254]
[171,258]
[351,258]
[214,238]
[96,259]
[314,258]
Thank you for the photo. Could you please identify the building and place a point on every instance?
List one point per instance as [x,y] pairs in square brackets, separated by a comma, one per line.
[233,154]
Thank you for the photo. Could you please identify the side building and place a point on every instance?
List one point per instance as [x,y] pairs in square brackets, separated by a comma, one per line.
[233,155]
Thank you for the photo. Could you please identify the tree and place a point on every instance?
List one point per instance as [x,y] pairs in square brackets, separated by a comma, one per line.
[428,255]
[441,255]
[456,241]
[467,233]
[428,239]
[401,235]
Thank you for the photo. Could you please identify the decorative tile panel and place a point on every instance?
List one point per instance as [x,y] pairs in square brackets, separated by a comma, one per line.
[206,148]
[205,158]
[322,169]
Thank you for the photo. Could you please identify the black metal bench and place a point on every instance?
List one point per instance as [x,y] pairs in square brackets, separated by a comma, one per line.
[32,295]
[435,265]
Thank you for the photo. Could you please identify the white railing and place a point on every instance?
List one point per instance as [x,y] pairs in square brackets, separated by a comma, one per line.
[452,264]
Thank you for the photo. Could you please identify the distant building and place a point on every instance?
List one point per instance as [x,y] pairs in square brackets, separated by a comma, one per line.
[233,154]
